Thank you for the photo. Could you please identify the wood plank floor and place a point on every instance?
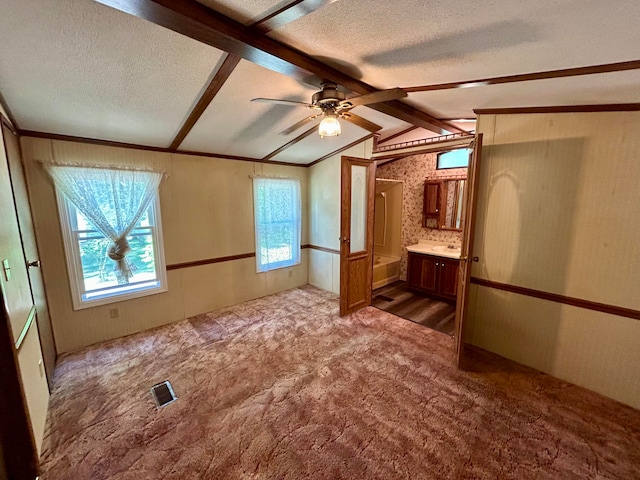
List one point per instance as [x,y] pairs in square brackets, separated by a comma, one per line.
[397,299]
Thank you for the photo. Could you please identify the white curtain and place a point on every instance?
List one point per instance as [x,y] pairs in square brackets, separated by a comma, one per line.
[277,210]
[112,200]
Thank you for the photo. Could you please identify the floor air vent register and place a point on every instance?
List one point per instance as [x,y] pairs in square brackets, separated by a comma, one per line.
[163,394]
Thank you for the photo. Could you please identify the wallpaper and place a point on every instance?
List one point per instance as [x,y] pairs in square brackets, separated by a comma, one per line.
[413,171]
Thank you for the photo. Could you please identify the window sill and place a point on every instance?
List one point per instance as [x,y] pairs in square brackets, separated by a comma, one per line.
[278,266]
[79,304]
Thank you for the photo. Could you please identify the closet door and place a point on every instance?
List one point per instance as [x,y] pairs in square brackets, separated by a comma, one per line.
[30,248]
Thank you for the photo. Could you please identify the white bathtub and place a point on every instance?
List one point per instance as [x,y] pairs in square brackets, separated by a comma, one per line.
[386,270]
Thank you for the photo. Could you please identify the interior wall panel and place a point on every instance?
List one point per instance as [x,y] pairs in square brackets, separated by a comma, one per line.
[557,212]
[324,216]
[207,212]
[591,349]
[320,269]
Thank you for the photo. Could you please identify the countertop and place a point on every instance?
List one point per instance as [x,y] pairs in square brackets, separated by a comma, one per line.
[430,247]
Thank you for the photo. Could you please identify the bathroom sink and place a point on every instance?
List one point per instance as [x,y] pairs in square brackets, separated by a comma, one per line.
[446,249]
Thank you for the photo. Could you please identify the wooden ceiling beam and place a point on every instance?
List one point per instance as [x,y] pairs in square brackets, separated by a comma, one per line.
[299,138]
[526,77]
[284,15]
[341,149]
[290,12]
[205,25]
[222,75]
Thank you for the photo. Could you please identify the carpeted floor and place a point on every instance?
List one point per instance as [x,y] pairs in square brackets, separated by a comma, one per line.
[283,388]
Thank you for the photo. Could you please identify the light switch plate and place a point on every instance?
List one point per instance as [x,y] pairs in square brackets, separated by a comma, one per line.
[6,269]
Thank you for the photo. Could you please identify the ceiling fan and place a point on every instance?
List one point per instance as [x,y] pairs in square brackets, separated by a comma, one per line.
[333,104]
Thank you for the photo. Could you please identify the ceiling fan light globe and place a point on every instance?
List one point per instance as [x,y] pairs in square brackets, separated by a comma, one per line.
[329,127]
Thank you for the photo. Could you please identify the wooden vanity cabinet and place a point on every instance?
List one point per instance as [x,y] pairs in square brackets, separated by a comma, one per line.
[432,275]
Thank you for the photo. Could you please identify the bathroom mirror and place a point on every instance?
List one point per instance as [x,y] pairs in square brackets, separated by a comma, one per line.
[453,208]
[443,206]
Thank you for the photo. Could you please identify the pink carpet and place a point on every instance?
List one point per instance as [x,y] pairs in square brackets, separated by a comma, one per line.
[283,388]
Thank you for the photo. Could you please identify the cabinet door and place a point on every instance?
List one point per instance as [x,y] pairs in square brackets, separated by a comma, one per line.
[448,278]
[422,272]
[414,270]
[431,198]
[429,278]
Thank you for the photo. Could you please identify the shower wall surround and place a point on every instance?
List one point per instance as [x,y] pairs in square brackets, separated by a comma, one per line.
[413,171]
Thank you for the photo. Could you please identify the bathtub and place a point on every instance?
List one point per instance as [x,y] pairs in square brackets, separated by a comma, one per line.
[386,270]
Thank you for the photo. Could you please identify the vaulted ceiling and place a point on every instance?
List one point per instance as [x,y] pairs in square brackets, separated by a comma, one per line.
[180,74]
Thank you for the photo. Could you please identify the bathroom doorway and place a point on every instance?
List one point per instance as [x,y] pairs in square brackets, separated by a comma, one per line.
[390,291]
[436,247]
[387,232]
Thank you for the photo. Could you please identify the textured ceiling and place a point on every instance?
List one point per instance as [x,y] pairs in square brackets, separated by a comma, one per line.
[413,42]
[83,69]
[617,87]
[243,11]
[76,67]
[236,126]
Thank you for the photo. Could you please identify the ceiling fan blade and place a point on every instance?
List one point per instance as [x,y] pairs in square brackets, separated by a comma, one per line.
[375,97]
[291,103]
[299,124]
[361,122]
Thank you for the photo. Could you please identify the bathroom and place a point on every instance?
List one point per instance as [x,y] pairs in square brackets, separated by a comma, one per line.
[401,223]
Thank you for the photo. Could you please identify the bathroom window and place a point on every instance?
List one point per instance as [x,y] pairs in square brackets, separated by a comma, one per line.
[454,159]
[277,212]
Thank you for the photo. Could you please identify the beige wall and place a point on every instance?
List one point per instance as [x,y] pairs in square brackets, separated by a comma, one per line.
[207,212]
[324,214]
[18,303]
[558,212]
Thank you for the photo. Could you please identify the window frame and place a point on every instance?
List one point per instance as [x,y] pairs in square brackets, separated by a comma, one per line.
[297,223]
[438,167]
[74,263]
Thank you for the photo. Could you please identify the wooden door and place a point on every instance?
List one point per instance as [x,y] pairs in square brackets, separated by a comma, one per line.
[30,248]
[17,444]
[20,353]
[470,200]
[358,179]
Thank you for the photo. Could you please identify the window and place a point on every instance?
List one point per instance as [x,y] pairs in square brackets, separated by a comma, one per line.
[276,204]
[112,234]
[93,273]
[454,159]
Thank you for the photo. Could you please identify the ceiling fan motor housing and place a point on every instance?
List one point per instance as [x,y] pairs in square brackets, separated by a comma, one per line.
[329,96]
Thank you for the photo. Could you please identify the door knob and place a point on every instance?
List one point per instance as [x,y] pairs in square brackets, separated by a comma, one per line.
[35,263]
